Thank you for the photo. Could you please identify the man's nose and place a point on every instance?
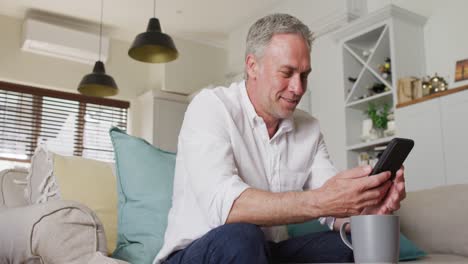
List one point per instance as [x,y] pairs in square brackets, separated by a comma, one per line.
[296,85]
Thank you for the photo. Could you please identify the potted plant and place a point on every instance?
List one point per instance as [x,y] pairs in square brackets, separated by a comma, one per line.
[379,117]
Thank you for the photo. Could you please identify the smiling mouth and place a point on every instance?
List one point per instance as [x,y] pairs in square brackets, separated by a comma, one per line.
[292,101]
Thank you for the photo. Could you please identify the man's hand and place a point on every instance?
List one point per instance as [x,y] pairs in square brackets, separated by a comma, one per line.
[351,191]
[396,194]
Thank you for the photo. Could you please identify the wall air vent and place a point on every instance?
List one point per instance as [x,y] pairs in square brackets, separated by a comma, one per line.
[62,42]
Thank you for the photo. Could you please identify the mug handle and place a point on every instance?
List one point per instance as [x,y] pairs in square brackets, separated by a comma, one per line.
[343,235]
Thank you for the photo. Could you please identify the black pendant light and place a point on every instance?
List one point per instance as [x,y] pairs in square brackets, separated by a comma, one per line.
[153,46]
[98,83]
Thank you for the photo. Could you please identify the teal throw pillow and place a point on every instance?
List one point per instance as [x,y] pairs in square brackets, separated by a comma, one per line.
[144,182]
[408,250]
[295,230]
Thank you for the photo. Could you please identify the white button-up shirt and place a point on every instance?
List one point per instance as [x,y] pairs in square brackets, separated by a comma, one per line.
[224,148]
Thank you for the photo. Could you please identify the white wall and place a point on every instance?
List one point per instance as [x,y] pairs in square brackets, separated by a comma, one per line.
[198,66]
[327,96]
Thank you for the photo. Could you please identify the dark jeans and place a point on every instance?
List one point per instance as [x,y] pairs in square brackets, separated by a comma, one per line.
[245,243]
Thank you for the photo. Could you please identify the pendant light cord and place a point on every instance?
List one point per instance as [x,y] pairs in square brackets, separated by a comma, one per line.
[154,8]
[100,29]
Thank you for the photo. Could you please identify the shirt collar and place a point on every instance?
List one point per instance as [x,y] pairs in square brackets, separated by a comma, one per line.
[248,106]
[285,125]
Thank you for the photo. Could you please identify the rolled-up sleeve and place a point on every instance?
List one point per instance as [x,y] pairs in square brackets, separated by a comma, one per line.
[322,170]
[206,152]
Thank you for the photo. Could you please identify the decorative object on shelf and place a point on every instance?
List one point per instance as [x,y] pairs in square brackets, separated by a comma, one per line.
[461,70]
[409,88]
[371,156]
[363,159]
[426,86]
[385,69]
[372,90]
[367,52]
[366,130]
[153,46]
[437,84]
[377,88]
[417,88]
[98,83]
[391,128]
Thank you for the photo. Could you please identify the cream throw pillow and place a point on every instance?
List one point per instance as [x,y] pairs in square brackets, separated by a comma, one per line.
[93,184]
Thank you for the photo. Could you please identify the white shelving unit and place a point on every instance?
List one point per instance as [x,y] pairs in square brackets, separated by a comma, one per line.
[391,32]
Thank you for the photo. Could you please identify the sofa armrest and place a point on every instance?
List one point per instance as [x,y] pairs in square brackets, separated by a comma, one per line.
[11,189]
[435,219]
[55,232]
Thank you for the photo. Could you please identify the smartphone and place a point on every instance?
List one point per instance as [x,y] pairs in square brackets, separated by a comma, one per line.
[393,156]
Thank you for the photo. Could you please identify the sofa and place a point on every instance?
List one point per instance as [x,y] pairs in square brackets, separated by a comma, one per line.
[64,231]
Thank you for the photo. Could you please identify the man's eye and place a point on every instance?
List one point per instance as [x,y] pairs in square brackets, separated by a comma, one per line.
[286,74]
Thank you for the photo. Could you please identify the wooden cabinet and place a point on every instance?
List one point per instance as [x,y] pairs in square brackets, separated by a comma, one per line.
[168,118]
[454,121]
[159,118]
[440,131]
[424,167]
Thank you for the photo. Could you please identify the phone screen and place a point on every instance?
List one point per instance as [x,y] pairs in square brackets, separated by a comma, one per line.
[393,156]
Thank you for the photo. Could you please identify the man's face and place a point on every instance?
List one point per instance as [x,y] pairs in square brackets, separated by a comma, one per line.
[281,76]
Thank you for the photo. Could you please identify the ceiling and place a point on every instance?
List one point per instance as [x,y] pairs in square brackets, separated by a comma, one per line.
[208,21]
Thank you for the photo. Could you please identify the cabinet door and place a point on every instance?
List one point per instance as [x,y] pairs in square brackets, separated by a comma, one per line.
[168,118]
[424,167]
[455,136]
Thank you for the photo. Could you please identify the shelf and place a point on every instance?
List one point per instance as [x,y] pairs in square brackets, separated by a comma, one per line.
[385,97]
[432,96]
[367,78]
[382,51]
[371,144]
[354,55]
[353,67]
[365,43]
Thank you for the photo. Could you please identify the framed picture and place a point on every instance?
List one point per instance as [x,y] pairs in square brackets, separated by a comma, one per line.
[461,72]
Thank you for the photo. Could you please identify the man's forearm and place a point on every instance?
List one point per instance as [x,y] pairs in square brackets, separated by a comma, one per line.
[267,208]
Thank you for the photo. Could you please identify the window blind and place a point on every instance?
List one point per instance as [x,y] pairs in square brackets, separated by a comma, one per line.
[68,123]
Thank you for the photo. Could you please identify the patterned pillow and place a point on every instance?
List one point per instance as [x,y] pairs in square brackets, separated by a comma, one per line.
[41,185]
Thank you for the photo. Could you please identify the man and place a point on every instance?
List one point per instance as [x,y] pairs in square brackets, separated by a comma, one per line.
[248,163]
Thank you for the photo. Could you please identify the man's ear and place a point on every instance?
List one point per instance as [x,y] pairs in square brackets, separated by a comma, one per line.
[251,65]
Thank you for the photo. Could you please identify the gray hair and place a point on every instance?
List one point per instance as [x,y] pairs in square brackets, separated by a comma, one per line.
[261,32]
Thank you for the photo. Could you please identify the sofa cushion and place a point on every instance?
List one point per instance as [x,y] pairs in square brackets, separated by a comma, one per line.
[435,219]
[99,258]
[56,232]
[441,259]
[408,250]
[93,184]
[145,175]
